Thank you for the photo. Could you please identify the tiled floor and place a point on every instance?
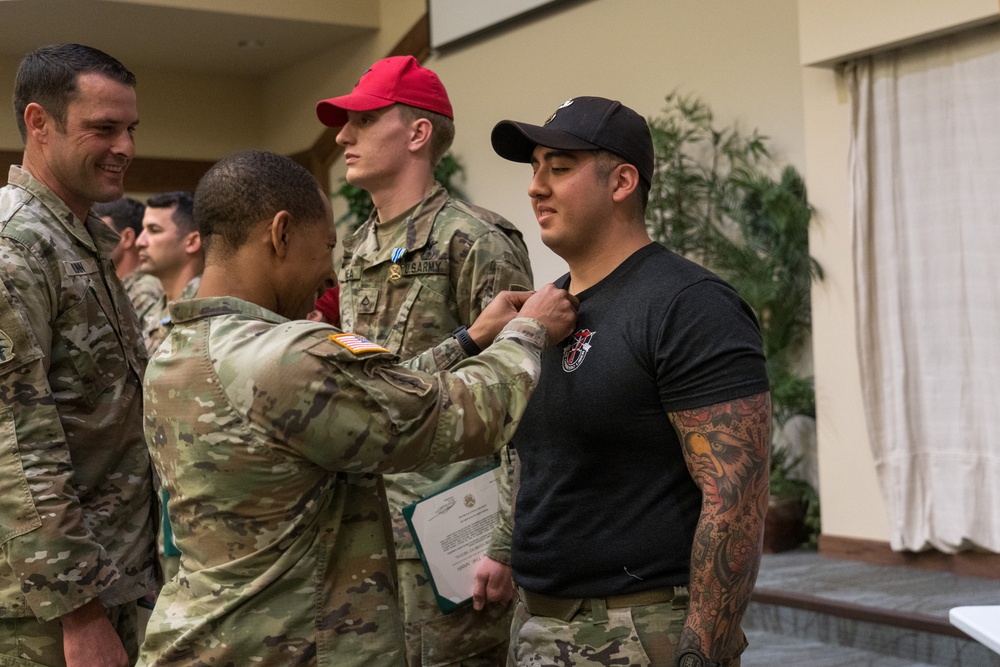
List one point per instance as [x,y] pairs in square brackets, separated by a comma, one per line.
[906,589]
[768,650]
[780,636]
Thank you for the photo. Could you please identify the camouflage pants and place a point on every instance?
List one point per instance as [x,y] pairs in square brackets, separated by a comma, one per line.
[464,637]
[596,636]
[26,642]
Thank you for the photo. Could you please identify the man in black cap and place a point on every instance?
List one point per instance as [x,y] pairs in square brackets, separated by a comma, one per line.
[644,451]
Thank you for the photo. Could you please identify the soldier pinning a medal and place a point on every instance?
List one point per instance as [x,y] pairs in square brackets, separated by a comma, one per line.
[271,432]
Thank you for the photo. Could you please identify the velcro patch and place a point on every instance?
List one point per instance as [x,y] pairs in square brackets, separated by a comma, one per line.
[6,348]
[81,267]
[356,344]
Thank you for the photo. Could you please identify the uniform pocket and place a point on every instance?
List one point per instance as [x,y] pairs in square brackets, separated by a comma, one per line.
[539,641]
[92,346]
[15,496]
[424,318]
[464,633]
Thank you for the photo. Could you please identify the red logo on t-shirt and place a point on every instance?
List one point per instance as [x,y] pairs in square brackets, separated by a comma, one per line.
[577,349]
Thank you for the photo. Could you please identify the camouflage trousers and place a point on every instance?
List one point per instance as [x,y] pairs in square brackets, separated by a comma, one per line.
[464,637]
[594,636]
[27,642]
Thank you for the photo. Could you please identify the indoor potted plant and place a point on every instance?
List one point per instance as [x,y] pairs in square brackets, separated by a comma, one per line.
[718,198]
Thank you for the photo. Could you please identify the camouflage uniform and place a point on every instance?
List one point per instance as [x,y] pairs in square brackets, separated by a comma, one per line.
[155,327]
[156,323]
[77,512]
[457,258]
[590,634]
[269,436]
[145,292]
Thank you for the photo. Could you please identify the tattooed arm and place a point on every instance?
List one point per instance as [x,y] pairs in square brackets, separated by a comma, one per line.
[726,447]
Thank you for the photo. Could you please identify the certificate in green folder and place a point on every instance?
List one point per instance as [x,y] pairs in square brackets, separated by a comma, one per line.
[452,531]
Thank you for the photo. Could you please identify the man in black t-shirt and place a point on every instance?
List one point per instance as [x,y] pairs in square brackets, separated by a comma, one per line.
[644,451]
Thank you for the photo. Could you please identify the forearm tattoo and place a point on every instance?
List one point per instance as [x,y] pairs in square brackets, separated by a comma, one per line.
[726,447]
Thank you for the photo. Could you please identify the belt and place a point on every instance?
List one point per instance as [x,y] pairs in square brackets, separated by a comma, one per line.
[539,604]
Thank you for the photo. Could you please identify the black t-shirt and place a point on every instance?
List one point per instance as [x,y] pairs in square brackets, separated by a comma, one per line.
[606,504]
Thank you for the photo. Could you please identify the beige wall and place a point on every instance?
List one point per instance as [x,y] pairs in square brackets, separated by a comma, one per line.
[181,115]
[850,497]
[832,31]
[195,116]
[741,57]
[203,116]
[332,11]
[9,138]
[289,97]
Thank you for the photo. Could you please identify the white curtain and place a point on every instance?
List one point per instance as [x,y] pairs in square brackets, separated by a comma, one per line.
[925,169]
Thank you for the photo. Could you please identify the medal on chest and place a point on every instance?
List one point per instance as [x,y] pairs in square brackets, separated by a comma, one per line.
[396,271]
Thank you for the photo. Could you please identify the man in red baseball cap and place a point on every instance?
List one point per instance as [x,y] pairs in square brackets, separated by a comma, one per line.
[424,266]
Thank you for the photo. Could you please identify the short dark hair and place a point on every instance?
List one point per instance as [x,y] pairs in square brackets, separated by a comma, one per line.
[245,188]
[442,129]
[125,213]
[606,163]
[48,76]
[183,217]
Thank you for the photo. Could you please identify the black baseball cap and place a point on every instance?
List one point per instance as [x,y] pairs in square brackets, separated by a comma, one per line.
[581,124]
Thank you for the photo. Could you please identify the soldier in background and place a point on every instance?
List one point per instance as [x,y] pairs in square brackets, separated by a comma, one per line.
[77,511]
[423,266]
[169,249]
[125,217]
[270,431]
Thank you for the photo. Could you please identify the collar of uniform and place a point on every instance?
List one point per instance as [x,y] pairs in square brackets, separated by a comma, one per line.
[214,306]
[191,289]
[93,236]
[411,234]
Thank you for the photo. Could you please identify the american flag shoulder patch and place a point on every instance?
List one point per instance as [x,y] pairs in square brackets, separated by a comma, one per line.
[356,344]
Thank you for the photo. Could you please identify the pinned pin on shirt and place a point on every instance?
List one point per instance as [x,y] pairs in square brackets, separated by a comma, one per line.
[396,271]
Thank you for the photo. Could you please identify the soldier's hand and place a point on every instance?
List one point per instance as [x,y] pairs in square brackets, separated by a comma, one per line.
[89,639]
[493,583]
[501,310]
[555,308]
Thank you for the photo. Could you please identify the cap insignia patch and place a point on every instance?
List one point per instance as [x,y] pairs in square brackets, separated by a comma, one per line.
[561,106]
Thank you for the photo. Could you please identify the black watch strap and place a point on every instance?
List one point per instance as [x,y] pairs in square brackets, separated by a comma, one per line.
[692,657]
[461,334]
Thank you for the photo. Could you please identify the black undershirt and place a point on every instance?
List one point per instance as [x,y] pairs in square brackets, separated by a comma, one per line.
[606,505]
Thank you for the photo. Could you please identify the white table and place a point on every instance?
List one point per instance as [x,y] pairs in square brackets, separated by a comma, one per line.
[980,623]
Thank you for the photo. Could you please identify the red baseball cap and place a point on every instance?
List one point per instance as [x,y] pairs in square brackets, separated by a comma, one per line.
[390,80]
[329,305]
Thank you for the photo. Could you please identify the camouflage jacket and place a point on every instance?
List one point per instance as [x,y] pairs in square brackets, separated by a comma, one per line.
[269,436]
[156,323]
[455,258]
[77,513]
[145,292]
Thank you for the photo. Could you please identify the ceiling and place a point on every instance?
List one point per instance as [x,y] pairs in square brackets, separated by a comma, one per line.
[190,35]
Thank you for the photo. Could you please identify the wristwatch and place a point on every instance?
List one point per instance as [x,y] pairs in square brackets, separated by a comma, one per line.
[461,334]
[692,657]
